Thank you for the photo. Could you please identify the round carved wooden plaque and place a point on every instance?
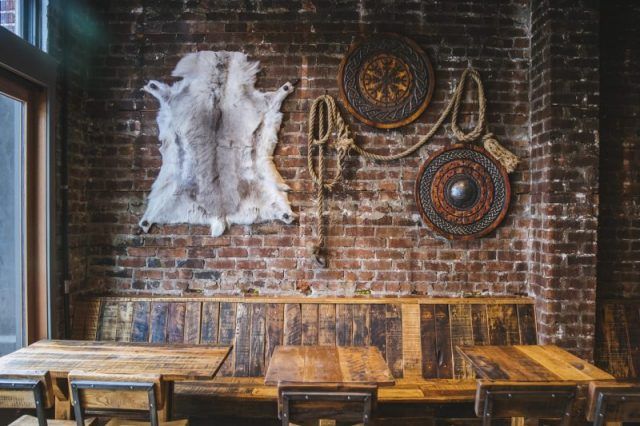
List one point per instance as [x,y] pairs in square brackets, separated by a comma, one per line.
[462,192]
[386,81]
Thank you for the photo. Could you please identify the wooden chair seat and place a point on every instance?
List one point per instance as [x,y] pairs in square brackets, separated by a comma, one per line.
[27,420]
[124,422]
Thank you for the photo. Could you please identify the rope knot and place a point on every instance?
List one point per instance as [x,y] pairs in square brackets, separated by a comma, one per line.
[344,144]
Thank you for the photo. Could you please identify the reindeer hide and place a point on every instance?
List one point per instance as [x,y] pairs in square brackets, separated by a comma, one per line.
[217,134]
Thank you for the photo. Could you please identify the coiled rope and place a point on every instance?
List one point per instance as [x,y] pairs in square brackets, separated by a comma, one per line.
[326,123]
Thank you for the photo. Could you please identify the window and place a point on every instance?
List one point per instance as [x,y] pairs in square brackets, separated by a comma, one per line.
[27,83]
[26,19]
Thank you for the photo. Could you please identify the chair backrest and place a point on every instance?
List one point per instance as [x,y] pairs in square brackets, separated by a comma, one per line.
[301,403]
[116,392]
[613,402]
[27,389]
[507,399]
[416,335]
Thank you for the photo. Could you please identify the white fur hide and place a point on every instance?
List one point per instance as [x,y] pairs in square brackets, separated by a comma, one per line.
[217,134]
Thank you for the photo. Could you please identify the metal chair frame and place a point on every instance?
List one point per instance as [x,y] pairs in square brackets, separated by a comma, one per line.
[604,398]
[297,395]
[78,385]
[487,415]
[38,394]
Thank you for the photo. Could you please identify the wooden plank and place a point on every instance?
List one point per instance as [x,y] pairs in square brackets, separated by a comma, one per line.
[175,324]
[125,322]
[378,318]
[85,319]
[242,346]
[172,362]
[108,321]
[411,344]
[327,324]
[444,351]
[209,327]
[616,341]
[258,337]
[275,329]
[361,325]
[141,319]
[309,324]
[507,363]
[192,322]
[394,339]
[461,335]
[428,342]
[503,325]
[562,363]
[363,365]
[480,324]
[292,324]
[527,324]
[227,326]
[632,314]
[159,312]
[344,325]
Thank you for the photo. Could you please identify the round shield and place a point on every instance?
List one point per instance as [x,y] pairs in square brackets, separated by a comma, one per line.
[386,81]
[462,192]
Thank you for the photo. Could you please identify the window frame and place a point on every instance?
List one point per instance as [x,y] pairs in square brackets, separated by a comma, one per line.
[22,62]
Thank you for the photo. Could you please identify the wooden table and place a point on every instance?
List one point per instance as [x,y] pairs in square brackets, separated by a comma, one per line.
[530,363]
[324,365]
[536,364]
[173,362]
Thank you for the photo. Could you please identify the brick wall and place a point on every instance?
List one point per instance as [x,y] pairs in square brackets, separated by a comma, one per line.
[619,224]
[564,170]
[8,14]
[376,240]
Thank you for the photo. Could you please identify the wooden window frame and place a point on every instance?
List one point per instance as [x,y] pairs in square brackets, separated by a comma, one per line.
[28,74]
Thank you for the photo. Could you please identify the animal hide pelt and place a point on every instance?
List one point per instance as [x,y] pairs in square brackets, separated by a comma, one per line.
[217,134]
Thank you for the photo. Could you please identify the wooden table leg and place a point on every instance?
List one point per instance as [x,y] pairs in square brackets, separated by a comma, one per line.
[62,401]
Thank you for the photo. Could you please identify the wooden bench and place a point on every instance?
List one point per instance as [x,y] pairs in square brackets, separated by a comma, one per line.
[417,337]
[617,348]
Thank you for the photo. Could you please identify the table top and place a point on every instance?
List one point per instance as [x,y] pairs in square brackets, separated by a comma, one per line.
[530,363]
[173,362]
[328,365]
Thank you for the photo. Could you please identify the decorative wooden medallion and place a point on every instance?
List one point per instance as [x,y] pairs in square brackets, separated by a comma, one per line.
[462,192]
[386,81]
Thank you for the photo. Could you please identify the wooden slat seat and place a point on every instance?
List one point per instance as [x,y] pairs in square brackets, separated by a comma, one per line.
[417,337]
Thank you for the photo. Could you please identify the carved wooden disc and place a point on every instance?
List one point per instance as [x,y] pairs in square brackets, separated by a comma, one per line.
[386,81]
[462,192]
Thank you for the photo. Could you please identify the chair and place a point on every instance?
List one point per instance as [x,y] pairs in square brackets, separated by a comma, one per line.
[506,399]
[31,390]
[302,404]
[143,394]
[613,402]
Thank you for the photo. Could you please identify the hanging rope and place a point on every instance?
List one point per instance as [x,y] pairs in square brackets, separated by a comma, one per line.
[325,120]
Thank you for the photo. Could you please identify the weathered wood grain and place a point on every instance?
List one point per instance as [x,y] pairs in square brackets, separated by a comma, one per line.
[443,342]
[258,334]
[428,342]
[175,324]
[503,325]
[361,325]
[411,344]
[292,324]
[275,329]
[192,322]
[344,325]
[394,339]
[461,335]
[378,320]
[141,315]
[480,324]
[108,326]
[327,324]
[309,318]
[242,347]
[125,322]
[527,323]
[159,313]
[210,317]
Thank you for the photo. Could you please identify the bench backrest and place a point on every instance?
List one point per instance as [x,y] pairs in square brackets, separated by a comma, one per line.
[417,336]
[617,349]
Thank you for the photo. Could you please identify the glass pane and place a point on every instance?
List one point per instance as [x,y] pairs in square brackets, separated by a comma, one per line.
[11,294]
[11,15]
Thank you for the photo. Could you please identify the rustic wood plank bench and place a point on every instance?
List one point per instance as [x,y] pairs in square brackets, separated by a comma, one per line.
[417,337]
[617,348]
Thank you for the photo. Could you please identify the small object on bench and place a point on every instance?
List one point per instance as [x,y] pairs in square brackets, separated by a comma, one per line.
[352,404]
[509,399]
[118,392]
[613,402]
